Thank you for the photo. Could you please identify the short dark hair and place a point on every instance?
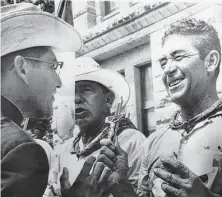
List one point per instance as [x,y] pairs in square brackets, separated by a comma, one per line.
[207,37]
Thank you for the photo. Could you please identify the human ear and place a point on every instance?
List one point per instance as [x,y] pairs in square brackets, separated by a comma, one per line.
[109,98]
[21,68]
[212,61]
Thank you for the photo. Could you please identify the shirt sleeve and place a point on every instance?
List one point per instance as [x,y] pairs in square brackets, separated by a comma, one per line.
[131,141]
[144,183]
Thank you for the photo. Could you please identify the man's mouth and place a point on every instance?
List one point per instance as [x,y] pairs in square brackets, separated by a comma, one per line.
[80,110]
[175,82]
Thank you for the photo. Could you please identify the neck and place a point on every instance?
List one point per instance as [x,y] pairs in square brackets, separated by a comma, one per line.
[198,106]
[89,132]
[12,91]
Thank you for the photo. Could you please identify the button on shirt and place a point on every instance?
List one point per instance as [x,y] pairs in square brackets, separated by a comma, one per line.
[200,151]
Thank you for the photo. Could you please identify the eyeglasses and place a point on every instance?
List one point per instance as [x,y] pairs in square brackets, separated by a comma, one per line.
[177,57]
[57,66]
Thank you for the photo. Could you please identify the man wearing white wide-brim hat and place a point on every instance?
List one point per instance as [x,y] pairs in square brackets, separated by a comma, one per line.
[29,80]
[97,93]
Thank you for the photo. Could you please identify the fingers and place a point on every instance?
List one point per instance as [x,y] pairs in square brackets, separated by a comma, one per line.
[170,178]
[101,172]
[64,180]
[116,149]
[164,165]
[108,143]
[108,152]
[88,164]
[175,166]
[159,164]
[97,171]
[105,160]
[105,174]
[171,191]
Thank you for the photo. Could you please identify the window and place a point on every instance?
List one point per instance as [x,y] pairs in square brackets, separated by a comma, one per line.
[147,100]
[110,6]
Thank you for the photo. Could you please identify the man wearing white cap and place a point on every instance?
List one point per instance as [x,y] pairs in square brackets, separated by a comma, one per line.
[97,93]
[29,80]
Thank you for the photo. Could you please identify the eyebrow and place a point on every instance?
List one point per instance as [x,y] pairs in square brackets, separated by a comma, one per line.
[171,54]
[177,51]
[162,58]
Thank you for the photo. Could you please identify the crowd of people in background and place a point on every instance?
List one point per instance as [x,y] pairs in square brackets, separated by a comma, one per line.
[107,155]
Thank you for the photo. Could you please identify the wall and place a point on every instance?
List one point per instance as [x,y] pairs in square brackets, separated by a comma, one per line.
[127,61]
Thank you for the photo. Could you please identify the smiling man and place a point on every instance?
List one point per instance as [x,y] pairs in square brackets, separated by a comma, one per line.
[97,92]
[186,159]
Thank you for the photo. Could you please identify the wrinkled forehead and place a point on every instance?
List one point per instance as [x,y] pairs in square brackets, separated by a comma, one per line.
[181,43]
[46,53]
[93,84]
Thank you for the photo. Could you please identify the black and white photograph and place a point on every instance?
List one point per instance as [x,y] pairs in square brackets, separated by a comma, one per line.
[117,98]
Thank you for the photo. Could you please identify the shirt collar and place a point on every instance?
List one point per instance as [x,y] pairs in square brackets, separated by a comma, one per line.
[11,111]
[177,124]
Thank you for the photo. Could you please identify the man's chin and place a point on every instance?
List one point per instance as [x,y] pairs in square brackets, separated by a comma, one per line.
[81,122]
[177,98]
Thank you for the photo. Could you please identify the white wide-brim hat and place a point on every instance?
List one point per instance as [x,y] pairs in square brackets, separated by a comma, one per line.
[90,70]
[23,26]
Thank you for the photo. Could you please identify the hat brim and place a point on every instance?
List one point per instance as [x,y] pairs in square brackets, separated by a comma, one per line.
[112,80]
[27,29]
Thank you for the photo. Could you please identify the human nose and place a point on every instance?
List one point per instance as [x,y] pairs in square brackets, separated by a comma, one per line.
[59,83]
[78,98]
[170,67]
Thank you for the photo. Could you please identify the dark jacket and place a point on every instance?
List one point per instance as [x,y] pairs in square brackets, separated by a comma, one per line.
[24,164]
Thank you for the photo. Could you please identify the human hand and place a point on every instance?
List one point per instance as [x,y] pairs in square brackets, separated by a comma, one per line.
[120,159]
[118,181]
[86,185]
[179,180]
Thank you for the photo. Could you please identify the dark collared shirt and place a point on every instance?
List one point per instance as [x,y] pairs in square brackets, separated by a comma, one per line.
[24,164]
